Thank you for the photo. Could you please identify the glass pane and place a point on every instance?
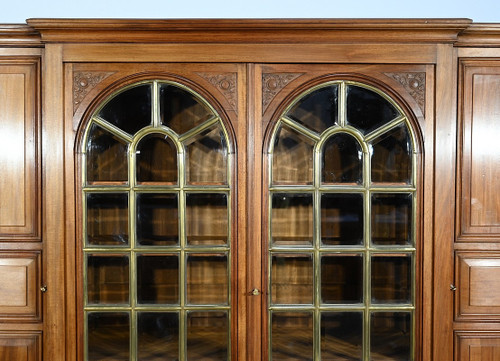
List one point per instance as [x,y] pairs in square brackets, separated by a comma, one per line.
[207,279]
[106,157]
[107,279]
[158,279]
[391,279]
[342,279]
[390,337]
[108,336]
[341,336]
[391,156]
[156,159]
[157,219]
[206,157]
[317,110]
[206,219]
[292,336]
[292,157]
[292,219]
[107,219]
[292,279]
[157,336]
[129,110]
[207,336]
[342,219]
[391,219]
[180,110]
[342,160]
[367,110]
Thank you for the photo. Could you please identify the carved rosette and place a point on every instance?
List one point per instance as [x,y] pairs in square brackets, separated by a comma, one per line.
[414,84]
[83,83]
[226,83]
[273,83]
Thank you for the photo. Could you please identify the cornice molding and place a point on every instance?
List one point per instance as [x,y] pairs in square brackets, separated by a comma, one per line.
[19,35]
[480,35]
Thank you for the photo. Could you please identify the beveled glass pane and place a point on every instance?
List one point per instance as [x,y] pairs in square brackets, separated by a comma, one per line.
[129,110]
[292,336]
[156,158]
[292,157]
[342,160]
[107,219]
[391,156]
[106,156]
[390,337]
[317,110]
[292,219]
[206,219]
[207,279]
[292,278]
[342,279]
[392,219]
[157,279]
[158,336]
[207,336]
[206,157]
[108,336]
[342,219]
[157,219]
[367,110]
[107,279]
[341,336]
[180,110]
[391,279]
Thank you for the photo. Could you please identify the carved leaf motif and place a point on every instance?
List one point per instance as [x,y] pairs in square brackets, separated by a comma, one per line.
[83,83]
[414,83]
[226,83]
[273,83]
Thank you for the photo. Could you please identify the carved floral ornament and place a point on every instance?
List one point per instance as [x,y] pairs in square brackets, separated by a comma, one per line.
[226,83]
[83,83]
[414,84]
[273,83]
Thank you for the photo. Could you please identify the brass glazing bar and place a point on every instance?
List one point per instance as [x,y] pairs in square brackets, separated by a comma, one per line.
[342,104]
[112,129]
[108,189]
[300,128]
[379,131]
[198,129]
[155,101]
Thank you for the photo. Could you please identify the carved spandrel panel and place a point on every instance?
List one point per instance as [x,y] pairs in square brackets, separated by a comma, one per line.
[227,84]
[83,83]
[273,83]
[414,84]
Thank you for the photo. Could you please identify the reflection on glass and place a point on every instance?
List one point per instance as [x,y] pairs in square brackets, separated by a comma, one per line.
[390,337]
[107,279]
[342,160]
[391,156]
[292,219]
[207,279]
[206,218]
[157,219]
[206,157]
[342,219]
[341,336]
[156,158]
[367,110]
[292,279]
[317,110]
[157,336]
[180,110]
[391,219]
[391,279]
[107,219]
[292,336]
[129,110]
[106,157]
[207,336]
[292,157]
[157,279]
[342,279]
[108,336]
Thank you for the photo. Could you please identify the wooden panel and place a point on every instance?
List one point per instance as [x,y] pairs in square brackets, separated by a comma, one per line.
[18,150]
[478,285]
[472,346]
[17,346]
[19,286]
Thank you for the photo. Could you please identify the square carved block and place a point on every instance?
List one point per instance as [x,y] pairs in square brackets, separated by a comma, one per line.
[20,346]
[478,286]
[20,286]
[477,346]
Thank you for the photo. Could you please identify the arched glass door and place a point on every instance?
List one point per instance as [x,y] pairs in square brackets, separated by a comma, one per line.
[156,200]
[342,217]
